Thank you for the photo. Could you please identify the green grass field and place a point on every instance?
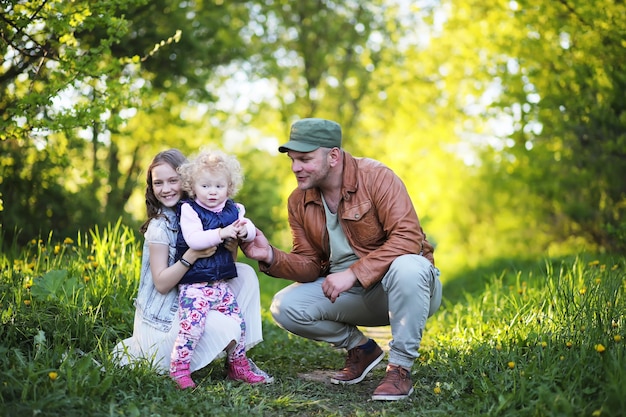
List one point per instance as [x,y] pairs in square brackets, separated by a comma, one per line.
[514,338]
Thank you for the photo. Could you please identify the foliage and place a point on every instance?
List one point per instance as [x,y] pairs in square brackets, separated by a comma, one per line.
[505,120]
[518,337]
[552,79]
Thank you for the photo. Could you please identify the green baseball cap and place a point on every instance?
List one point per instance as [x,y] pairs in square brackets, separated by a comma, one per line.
[309,134]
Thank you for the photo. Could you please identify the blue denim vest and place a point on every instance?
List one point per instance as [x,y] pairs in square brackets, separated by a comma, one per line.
[158,309]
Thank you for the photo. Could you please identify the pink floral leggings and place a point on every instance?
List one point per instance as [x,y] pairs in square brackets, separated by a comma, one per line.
[194,303]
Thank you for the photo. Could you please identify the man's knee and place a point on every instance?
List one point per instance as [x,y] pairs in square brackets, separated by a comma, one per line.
[406,268]
[282,310]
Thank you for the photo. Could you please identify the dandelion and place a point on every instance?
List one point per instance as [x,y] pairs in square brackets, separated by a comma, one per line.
[614,267]
[598,281]
[437,390]
[544,344]
[600,348]
[511,365]
[68,241]
[617,338]
[86,278]
[28,284]
[57,249]
[582,291]
[594,263]
[27,302]
[568,344]
[53,375]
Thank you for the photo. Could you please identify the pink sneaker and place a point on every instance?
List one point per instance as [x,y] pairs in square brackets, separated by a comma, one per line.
[239,370]
[179,372]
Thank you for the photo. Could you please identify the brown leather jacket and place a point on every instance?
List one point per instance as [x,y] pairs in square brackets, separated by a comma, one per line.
[377,217]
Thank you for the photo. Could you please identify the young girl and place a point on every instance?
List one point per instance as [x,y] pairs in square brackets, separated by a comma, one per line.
[209,218]
[156,322]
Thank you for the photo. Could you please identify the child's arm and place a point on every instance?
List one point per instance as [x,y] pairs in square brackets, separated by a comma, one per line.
[247,232]
[191,228]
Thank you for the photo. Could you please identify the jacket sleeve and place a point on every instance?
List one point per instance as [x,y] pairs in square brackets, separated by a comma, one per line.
[303,263]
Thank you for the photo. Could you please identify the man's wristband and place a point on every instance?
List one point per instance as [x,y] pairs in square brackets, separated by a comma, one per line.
[186,262]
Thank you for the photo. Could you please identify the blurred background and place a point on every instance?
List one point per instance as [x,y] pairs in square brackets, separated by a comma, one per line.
[505,119]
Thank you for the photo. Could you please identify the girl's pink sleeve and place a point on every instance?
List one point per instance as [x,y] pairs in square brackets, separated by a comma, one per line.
[250,227]
[191,228]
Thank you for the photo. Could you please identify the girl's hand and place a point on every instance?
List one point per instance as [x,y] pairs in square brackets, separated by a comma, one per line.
[193,255]
[240,227]
[228,232]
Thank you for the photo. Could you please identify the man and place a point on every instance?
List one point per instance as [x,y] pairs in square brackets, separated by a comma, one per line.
[359,258]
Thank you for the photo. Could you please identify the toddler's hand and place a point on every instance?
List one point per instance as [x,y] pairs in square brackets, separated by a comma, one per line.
[228,232]
[240,227]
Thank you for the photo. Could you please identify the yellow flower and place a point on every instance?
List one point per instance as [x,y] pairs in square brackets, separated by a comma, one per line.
[437,390]
[568,344]
[544,344]
[600,348]
[511,365]
[27,302]
[68,241]
[598,280]
[597,413]
[86,278]
[594,263]
[617,338]
[498,347]
[57,249]
[53,375]
[582,291]
[614,267]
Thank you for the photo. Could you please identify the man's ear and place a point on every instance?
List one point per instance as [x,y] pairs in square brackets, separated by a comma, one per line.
[334,156]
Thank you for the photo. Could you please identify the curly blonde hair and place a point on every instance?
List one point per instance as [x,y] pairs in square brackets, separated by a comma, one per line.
[215,162]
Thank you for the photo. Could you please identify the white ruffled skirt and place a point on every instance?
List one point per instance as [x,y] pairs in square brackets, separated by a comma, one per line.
[150,346]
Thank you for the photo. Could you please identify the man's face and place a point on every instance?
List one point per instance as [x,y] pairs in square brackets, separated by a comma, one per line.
[311,168]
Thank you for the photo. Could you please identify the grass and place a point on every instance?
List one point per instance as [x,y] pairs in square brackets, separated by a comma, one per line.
[516,337]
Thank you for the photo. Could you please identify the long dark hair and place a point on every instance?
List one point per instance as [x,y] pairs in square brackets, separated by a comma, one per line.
[172,157]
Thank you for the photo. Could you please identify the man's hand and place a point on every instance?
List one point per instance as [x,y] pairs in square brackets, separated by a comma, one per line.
[259,249]
[336,283]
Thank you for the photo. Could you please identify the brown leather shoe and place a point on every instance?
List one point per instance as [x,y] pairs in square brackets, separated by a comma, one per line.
[358,364]
[396,385]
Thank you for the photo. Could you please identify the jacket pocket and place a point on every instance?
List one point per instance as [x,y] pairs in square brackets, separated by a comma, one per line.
[362,223]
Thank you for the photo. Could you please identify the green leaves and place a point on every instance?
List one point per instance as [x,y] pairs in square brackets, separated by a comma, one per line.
[55,286]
